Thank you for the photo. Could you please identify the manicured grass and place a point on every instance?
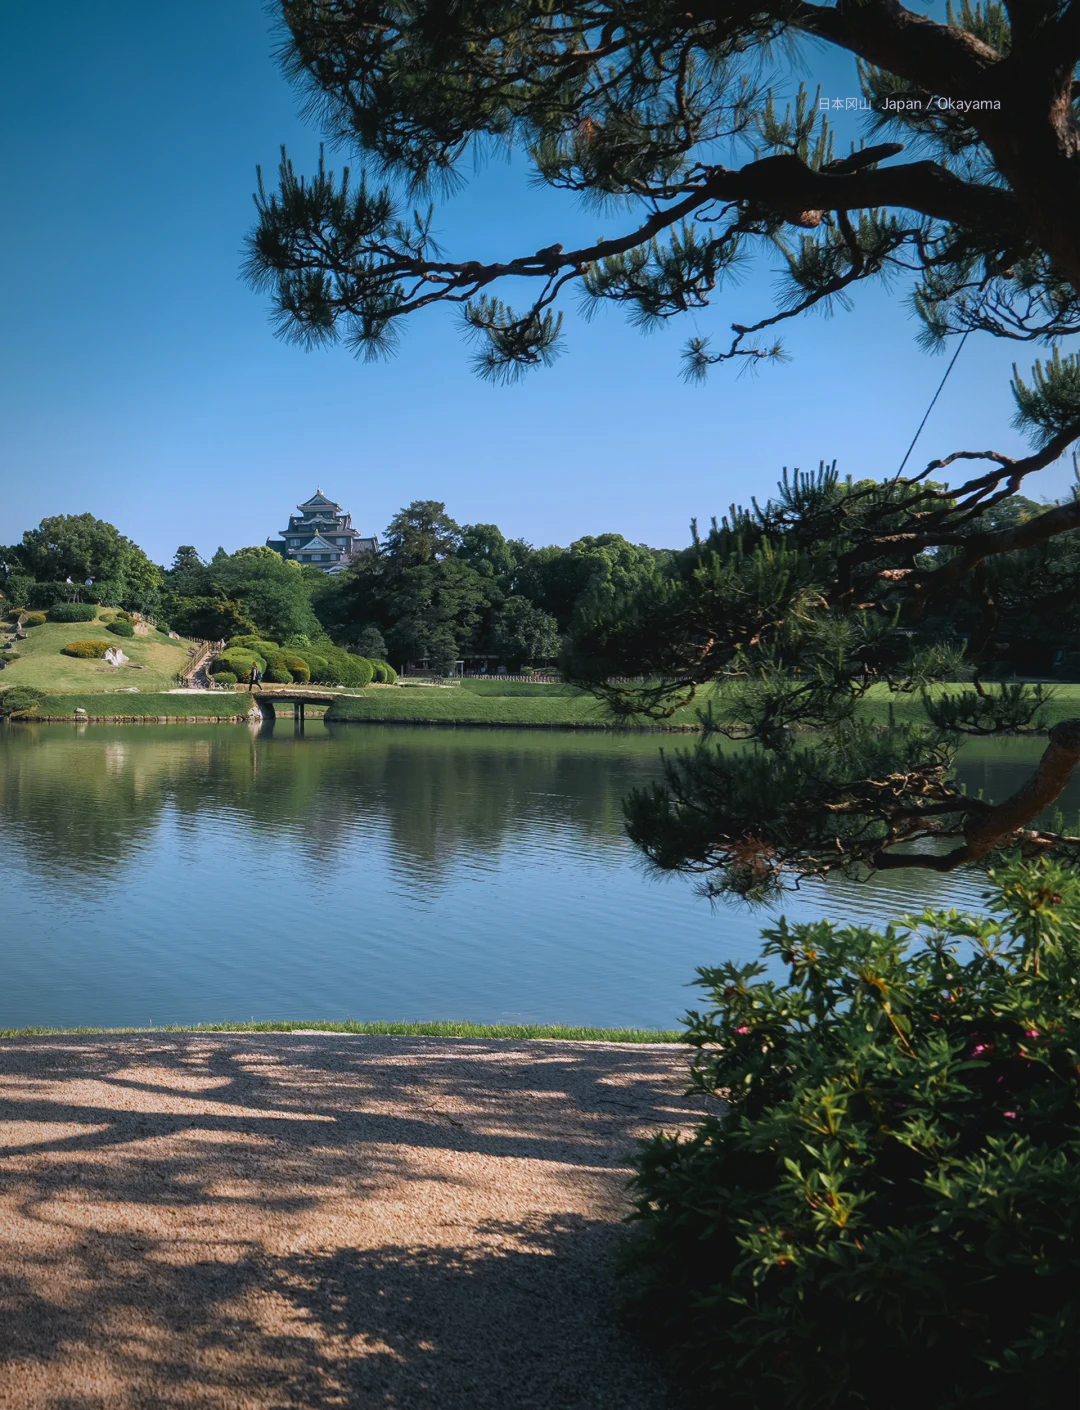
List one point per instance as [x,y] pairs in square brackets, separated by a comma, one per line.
[218,704]
[42,665]
[394,1030]
[493,686]
[907,709]
[550,705]
[541,706]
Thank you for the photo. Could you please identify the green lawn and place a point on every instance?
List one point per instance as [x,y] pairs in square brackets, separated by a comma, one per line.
[455,705]
[218,704]
[42,665]
[522,704]
[398,1030]
[908,708]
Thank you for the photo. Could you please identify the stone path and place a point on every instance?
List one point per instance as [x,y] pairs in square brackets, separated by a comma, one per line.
[280,1220]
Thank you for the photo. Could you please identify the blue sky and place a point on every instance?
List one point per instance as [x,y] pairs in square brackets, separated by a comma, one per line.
[139,378]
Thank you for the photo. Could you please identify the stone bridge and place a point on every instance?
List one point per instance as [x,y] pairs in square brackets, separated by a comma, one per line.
[266,699]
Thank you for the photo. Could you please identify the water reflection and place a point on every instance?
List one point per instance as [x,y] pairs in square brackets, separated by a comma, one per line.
[182,873]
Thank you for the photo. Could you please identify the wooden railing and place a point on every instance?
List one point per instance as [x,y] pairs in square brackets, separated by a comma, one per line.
[200,652]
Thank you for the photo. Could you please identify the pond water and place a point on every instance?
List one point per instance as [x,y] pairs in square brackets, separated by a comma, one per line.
[202,873]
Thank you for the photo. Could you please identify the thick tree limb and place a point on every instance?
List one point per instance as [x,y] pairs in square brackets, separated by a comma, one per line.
[993,828]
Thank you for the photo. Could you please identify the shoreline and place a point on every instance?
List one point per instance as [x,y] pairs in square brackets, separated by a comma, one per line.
[487,1032]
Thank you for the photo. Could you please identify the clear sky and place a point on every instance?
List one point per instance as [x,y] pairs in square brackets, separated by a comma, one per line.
[139,378]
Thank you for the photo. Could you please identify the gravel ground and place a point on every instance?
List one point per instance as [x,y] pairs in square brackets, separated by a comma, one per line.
[277,1220]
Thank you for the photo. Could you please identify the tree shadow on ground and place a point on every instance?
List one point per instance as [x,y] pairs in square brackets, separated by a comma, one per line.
[172,1212]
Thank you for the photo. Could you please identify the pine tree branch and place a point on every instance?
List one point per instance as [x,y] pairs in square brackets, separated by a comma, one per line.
[997,827]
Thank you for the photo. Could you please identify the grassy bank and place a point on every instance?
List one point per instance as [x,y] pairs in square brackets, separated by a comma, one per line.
[156,705]
[542,705]
[908,708]
[392,1030]
[523,705]
[43,666]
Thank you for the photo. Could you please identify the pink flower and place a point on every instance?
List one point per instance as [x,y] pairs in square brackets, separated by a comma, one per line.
[744,1029]
[1031,1032]
[1009,1115]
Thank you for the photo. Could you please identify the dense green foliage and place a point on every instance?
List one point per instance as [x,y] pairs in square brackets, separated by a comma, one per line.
[34,619]
[792,606]
[72,612]
[120,628]
[254,588]
[87,650]
[886,1211]
[325,663]
[75,557]
[442,593]
[225,678]
[19,700]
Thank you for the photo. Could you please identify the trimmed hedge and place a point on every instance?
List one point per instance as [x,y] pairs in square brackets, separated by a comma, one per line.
[298,669]
[34,619]
[256,644]
[225,678]
[73,612]
[119,628]
[238,662]
[88,650]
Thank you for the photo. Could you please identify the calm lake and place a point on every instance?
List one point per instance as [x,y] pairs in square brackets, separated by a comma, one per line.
[199,873]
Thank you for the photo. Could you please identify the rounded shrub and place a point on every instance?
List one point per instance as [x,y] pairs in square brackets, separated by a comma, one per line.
[354,672]
[120,628]
[277,675]
[34,619]
[319,667]
[225,678]
[887,1212]
[298,668]
[73,612]
[384,672]
[238,662]
[88,650]
[252,643]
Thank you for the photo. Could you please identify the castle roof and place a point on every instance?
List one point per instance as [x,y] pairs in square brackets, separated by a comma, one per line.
[319,501]
[315,545]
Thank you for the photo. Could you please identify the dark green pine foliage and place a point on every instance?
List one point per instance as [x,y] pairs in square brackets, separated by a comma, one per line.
[755,621]
[963,184]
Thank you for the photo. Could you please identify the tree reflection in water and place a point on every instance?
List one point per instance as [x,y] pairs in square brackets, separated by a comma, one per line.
[180,873]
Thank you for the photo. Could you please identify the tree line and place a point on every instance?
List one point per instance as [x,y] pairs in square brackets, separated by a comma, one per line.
[435,591]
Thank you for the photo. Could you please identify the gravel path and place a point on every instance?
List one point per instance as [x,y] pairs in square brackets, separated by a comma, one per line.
[317,1220]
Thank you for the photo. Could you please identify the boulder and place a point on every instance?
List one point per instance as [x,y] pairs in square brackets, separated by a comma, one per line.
[115,656]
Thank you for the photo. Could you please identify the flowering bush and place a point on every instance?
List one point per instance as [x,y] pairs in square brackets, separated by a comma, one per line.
[887,1210]
[87,649]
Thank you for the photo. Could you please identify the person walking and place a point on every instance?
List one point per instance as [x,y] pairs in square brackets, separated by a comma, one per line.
[254,678]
